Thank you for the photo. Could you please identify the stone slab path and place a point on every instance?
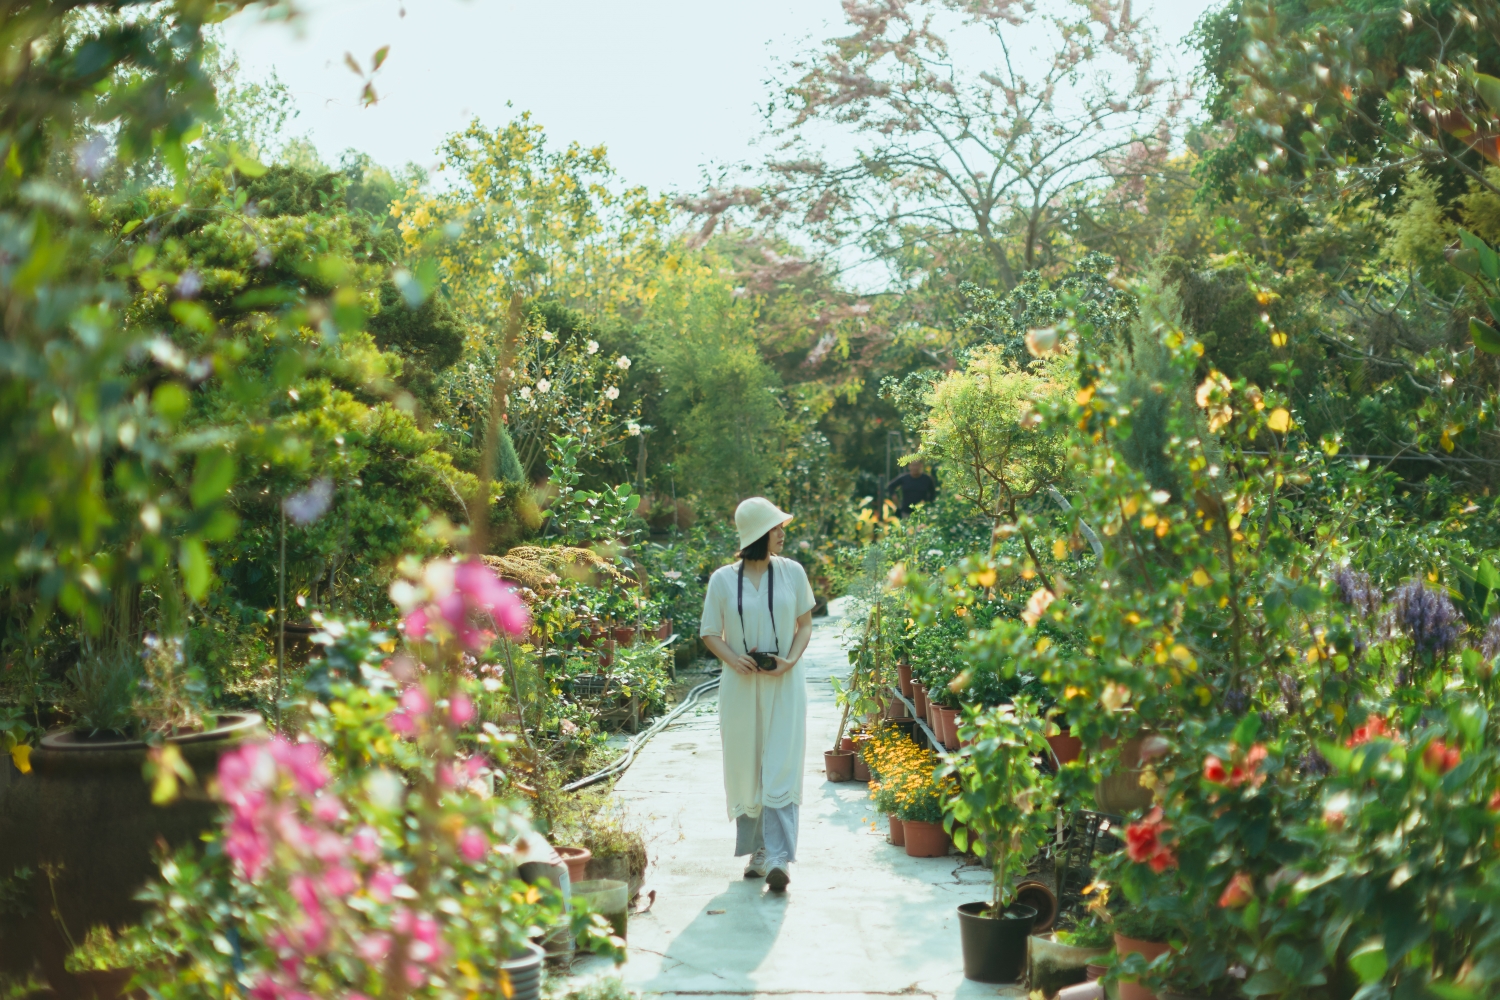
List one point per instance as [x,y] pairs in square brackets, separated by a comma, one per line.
[860,918]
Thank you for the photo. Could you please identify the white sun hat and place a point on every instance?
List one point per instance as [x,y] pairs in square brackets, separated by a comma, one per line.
[755,517]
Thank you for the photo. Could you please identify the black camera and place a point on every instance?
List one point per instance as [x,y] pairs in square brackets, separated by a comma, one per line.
[764,661]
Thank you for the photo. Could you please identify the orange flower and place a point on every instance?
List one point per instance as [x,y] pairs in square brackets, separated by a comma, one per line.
[1374,728]
[1143,842]
[1239,892]
[1440,757]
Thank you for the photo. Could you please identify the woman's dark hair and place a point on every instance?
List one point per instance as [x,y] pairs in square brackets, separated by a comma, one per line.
[758,549]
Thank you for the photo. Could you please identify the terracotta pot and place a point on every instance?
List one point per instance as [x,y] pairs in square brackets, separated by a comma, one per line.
[898,831]
[919,698]
[1065,748]
[839,764]
[861,769]
[1149,950]
[895,708]
[847,743]
[1092,972]
[1040,897]
[606,653]
[577,859]
[925,840]
[664,630]
[947,724]
[624,635]
[903,677]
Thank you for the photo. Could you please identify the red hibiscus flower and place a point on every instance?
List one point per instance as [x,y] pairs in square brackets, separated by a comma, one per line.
[1237,893]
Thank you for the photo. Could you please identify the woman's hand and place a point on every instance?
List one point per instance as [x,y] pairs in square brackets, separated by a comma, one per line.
[743,663]
[782,666]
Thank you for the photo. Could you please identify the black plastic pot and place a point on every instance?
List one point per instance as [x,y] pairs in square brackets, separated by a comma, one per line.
[994,947]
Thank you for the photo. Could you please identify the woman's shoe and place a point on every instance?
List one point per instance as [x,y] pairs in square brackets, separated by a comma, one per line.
[778,879]
[757,866]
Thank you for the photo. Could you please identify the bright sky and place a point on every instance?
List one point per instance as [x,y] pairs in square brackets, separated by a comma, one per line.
[669,86]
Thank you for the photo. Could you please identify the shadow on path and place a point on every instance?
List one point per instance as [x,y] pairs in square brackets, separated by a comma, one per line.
[726,942]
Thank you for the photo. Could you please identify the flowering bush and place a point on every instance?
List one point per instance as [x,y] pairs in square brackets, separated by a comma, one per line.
[371,857]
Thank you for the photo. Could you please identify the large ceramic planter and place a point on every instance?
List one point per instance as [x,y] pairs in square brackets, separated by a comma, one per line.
[925,840]
[1149,950]
[1053,965]
[898,830]
[838,764]
[903,677]
[1121,792]
[93,821]
[994,947]
[1066,748]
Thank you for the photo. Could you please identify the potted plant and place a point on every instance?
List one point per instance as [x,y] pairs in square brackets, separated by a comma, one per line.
[920,793]
[1062,957]
[1003,805]
[1144,932]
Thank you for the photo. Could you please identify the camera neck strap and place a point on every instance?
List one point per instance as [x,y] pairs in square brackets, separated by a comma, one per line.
[770,605]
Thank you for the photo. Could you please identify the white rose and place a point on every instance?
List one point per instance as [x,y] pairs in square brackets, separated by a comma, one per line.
[633,429]
[612,392]
[623,362]
[593,347]
[543,385]
[525,392]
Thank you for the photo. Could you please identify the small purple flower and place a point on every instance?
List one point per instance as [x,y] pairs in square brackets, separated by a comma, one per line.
[1356,590]
[189,284]
[1489,646]
[1314,763]
[1428,617]
[1290,695]
[1237,700]
[306,507]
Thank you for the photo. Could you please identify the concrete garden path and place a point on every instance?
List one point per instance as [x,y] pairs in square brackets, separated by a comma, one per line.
[860,917]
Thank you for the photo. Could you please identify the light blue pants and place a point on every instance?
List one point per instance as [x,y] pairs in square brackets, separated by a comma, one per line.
[774,829]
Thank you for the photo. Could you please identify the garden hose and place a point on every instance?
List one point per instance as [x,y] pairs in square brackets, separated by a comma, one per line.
[618,766]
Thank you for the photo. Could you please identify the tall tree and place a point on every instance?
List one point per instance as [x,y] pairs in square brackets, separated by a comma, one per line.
[953,133]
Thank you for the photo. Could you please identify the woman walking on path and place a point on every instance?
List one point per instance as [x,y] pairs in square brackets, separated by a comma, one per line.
[757,619]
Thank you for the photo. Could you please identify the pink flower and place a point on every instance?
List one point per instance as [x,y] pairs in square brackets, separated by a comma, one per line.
[475,766]
[414,702]
[463,598]
[365,844]
[373,947]
[400,723]
[383,885]
[302,761]
[473,845]
[338,882]
[327,808]
[461,709]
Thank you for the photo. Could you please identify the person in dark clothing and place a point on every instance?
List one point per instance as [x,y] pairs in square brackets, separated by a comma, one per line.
[916,486]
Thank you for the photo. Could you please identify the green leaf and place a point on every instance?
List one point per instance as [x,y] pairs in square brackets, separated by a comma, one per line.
[1488,88]
[1247,730]
[1452,991]
[193,558]
[170,401]
[130,227]
[212,477]
[247,165]
[1486,337]
[1467,261]
[1494,305]
[1368,961]
[1487,575]
[379,59]
[193,316]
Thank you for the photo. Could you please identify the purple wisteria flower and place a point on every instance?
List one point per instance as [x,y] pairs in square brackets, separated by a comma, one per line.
[1356,590]
[1428,617]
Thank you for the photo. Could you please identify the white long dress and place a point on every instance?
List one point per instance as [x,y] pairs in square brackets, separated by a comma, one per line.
[762,719]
